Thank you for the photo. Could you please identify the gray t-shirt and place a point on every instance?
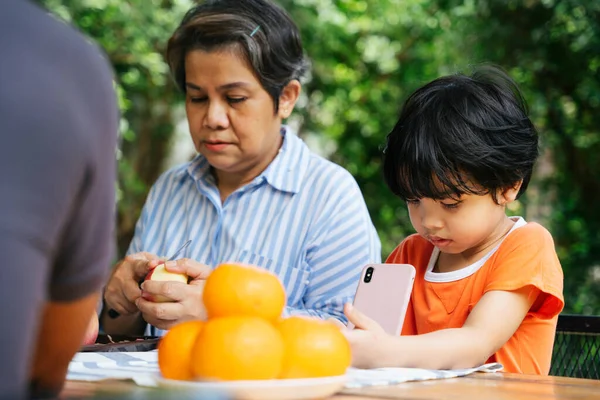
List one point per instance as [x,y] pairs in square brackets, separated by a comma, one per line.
[58,135]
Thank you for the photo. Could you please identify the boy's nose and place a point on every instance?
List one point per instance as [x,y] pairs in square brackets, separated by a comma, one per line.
[430,220]
[431,223]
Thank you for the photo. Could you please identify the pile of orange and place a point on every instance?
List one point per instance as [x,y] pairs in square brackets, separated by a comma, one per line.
[245,337]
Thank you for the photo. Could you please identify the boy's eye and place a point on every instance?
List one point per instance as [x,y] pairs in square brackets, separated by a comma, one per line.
[413,202]
[197,99]
[235,100]
[451,206]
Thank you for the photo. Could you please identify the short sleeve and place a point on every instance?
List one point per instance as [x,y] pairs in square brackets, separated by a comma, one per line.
[57,168]
[528,258]
[87,247]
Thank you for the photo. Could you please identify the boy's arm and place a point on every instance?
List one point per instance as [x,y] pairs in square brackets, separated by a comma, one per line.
[493,321]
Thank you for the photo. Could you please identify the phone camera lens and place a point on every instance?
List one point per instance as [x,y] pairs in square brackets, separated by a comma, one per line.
[369,274]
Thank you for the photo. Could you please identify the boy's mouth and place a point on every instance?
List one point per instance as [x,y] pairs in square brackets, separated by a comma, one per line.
[438,241]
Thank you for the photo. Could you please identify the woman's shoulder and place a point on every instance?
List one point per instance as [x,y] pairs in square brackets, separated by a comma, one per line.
[315,173]
[316,164]
[176,174]
[320,165]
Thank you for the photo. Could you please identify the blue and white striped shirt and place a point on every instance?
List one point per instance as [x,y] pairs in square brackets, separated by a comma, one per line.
[303,218]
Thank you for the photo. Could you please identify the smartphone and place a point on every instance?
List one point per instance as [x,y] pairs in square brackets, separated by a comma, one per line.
[383,294]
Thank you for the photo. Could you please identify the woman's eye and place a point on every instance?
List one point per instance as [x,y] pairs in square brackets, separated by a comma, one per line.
[235,100]
[197,99]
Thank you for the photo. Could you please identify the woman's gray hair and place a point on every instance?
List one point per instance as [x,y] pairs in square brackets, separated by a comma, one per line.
[259,31]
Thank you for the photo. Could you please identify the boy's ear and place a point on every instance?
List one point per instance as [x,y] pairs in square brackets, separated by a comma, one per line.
[288,98]
[508,195]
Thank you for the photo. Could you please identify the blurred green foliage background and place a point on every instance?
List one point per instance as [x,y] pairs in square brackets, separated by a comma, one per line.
[367,56]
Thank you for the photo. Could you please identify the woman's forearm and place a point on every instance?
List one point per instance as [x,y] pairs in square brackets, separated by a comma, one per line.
[130,325]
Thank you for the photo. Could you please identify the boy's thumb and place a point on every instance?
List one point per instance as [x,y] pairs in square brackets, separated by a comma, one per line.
[360,320]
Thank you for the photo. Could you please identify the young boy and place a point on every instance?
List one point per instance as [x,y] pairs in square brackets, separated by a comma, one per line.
[488,286]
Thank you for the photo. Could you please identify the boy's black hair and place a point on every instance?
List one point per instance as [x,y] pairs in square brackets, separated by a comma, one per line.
[461,135]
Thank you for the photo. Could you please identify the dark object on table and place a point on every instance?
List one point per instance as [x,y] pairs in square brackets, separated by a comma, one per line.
[117,343]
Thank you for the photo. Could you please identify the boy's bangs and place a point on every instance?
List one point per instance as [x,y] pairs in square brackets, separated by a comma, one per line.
[428,179]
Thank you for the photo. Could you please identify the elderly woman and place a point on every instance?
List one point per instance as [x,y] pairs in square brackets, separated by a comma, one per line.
[255,193]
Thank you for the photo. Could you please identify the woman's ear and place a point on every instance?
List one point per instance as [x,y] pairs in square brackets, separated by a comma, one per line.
[288,98]
[508,195]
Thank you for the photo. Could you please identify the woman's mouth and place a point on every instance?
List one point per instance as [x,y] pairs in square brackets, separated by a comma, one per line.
[216,146]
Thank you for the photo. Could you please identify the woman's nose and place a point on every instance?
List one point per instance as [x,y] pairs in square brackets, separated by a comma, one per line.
[216,116]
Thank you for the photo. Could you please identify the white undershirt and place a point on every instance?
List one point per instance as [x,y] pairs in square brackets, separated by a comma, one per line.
[462,273]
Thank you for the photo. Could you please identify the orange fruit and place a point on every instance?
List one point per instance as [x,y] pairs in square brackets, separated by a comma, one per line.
[237,348]
[175,350]
[235,289]
[313,348]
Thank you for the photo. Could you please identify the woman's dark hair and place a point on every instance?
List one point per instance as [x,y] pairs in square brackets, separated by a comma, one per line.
[261,32]
[461,135]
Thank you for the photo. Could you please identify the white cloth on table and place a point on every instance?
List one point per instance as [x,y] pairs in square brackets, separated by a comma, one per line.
[142,368]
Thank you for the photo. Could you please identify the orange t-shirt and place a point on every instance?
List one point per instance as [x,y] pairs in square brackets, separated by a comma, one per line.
[526,257]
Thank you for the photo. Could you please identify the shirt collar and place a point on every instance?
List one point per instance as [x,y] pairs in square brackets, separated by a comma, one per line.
[199,169]
[285,173]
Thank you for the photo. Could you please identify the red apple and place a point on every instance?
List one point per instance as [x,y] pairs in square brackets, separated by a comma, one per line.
[160,273]
[91,332]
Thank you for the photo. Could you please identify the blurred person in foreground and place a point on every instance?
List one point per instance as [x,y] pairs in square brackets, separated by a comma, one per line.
[58,133]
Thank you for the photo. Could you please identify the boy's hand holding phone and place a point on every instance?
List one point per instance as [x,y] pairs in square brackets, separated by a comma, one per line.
[367,340]
[378,312]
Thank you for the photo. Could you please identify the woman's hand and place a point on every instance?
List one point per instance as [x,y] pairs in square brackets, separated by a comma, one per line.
[367,340]
[186,299]
[123,289]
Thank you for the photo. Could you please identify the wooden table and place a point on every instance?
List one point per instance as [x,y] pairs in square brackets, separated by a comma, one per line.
[498,386]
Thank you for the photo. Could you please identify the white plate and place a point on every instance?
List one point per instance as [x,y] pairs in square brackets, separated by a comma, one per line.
[274,389]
